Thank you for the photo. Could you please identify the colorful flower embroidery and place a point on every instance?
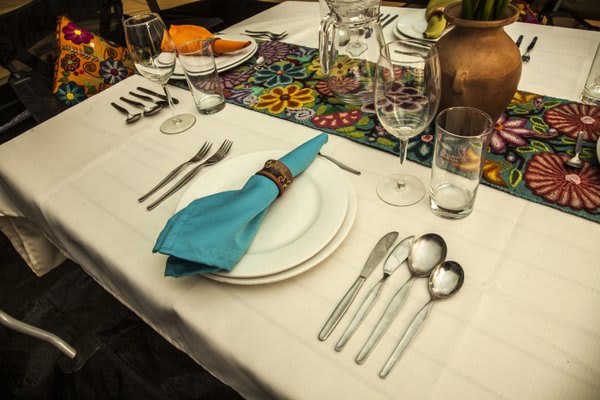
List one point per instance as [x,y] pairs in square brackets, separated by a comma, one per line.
[399,95]
[547,177]
[273,51]
[509,132]
[340,84]
[75,34]
[279,99]
[279,74]
[70,62]
[112,71]
[71,93]
[344,65]
[571,118]
[337,120]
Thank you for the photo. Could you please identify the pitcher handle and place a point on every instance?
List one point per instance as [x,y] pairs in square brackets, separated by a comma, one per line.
[326,42]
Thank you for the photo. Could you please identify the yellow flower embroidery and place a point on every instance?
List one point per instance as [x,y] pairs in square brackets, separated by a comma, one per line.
[279,99]
[315,65]
[343,65]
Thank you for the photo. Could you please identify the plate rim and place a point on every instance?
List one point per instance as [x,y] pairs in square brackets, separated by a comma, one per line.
[411,16]
[327,234]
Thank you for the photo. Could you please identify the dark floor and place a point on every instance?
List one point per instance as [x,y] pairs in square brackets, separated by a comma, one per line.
[132,361]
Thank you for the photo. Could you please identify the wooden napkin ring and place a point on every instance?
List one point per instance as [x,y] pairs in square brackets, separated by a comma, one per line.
[277,171]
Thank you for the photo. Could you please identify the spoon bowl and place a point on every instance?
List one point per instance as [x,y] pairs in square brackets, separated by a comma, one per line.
[131,118]
[575,161]
[445,280]
[151,110]
[259,63]
[426,253]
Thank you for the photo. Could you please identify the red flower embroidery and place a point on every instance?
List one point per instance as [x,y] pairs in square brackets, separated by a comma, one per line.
[571,118]
[337,120]
[547,177]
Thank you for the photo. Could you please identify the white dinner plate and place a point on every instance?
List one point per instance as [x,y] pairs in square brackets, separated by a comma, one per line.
[228,60]
[297,225]
[414,25]
[311,262]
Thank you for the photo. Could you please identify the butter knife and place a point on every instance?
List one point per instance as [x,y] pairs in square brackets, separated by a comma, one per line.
[375,257]
[394,260]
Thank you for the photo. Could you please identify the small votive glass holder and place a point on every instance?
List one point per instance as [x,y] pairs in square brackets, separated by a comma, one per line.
[461,143]
[198,62]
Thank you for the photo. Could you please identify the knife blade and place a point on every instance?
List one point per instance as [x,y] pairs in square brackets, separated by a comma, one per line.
[393,261]
[375,257]
[160,96]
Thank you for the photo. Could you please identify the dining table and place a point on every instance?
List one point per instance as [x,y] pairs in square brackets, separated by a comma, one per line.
[525,324]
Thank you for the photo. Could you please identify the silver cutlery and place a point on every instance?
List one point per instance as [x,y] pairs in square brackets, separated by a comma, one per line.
[389,21]
[265,34]
[383,17]
[130,117]
[525,57]
[161,103]
[160,96]
[445,280]
[340,164]
[575,161]
[196,158]
[393,261]
[424,255]
[215,158]
[375,257]
[519,40]
[147,110]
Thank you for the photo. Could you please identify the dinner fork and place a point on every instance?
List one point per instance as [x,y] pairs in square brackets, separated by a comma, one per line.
[197,157]
[266,34]
[215,158]
[525,57]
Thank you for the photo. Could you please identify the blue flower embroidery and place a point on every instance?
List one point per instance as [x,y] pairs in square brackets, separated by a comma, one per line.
[70,93]
[112,71]
[279,74]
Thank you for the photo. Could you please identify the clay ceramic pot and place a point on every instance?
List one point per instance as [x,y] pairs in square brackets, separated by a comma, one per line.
[481,65]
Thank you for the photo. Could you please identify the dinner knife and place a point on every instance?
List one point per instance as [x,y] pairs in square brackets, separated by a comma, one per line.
[375,257]
[393,261]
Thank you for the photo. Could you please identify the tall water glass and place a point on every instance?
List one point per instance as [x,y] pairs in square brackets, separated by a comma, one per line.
[591,91]
[461,142]
[407,95]
[198,62]
[153,54]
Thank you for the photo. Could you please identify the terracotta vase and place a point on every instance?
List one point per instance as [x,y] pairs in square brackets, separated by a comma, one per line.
[481,65]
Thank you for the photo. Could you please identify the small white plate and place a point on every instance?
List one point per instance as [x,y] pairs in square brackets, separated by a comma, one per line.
[298,224]
[311,262]
[228,60]
[414,25]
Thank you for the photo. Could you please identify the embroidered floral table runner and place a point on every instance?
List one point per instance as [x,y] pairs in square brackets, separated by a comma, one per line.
[527,149]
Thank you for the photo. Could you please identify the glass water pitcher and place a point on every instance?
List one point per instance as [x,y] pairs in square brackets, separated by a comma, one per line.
[349,41]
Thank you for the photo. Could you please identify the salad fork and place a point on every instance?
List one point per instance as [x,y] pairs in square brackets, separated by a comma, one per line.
[197,157]
[215,158]
[266,34]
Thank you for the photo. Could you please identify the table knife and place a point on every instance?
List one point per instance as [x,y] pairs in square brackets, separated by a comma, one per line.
[393,261]
[375,257]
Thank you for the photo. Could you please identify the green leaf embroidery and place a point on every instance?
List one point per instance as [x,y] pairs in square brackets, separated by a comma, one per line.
[363,121]
[88,50]
[321,110]
[346,129]
[385,142]
[515,177]
[538,121]
[539,145]
[357,134]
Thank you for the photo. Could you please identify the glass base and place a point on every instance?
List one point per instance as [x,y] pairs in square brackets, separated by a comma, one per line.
[178,124]
[392,193]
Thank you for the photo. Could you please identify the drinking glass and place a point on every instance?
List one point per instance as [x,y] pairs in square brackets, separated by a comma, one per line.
[591,91]
[407,95]
[153,53]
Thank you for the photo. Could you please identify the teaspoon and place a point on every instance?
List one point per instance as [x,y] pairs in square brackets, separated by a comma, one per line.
[147,110]
[575,161]
[425,253]
[130,117]
[445,280]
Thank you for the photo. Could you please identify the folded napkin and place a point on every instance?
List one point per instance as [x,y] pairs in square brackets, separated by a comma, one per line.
[214,232]
[436,23]
[185,33]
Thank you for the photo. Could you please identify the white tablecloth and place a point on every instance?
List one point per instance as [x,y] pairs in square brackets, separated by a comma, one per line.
[525,325]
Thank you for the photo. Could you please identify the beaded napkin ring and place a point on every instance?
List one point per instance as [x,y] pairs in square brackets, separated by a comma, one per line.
[277,171]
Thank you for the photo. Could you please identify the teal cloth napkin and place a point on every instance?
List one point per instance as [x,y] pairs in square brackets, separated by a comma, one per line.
[214,232]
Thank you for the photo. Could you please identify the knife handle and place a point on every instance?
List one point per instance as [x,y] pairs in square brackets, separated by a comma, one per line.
[384,323]
[341,308]
[132,102]
[121,109]
[361,313]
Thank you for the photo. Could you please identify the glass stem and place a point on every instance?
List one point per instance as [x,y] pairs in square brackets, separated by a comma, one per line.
[169,100]
[402,153]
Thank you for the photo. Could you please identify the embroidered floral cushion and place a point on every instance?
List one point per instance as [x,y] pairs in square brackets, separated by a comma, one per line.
[86,64]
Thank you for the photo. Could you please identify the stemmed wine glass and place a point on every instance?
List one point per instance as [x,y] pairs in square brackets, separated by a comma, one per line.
[407,95]
[154,55]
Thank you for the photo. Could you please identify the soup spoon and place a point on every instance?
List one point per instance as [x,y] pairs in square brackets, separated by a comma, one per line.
[130,117]
[445,280]
[425,253]
[147,110]
[575,161]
